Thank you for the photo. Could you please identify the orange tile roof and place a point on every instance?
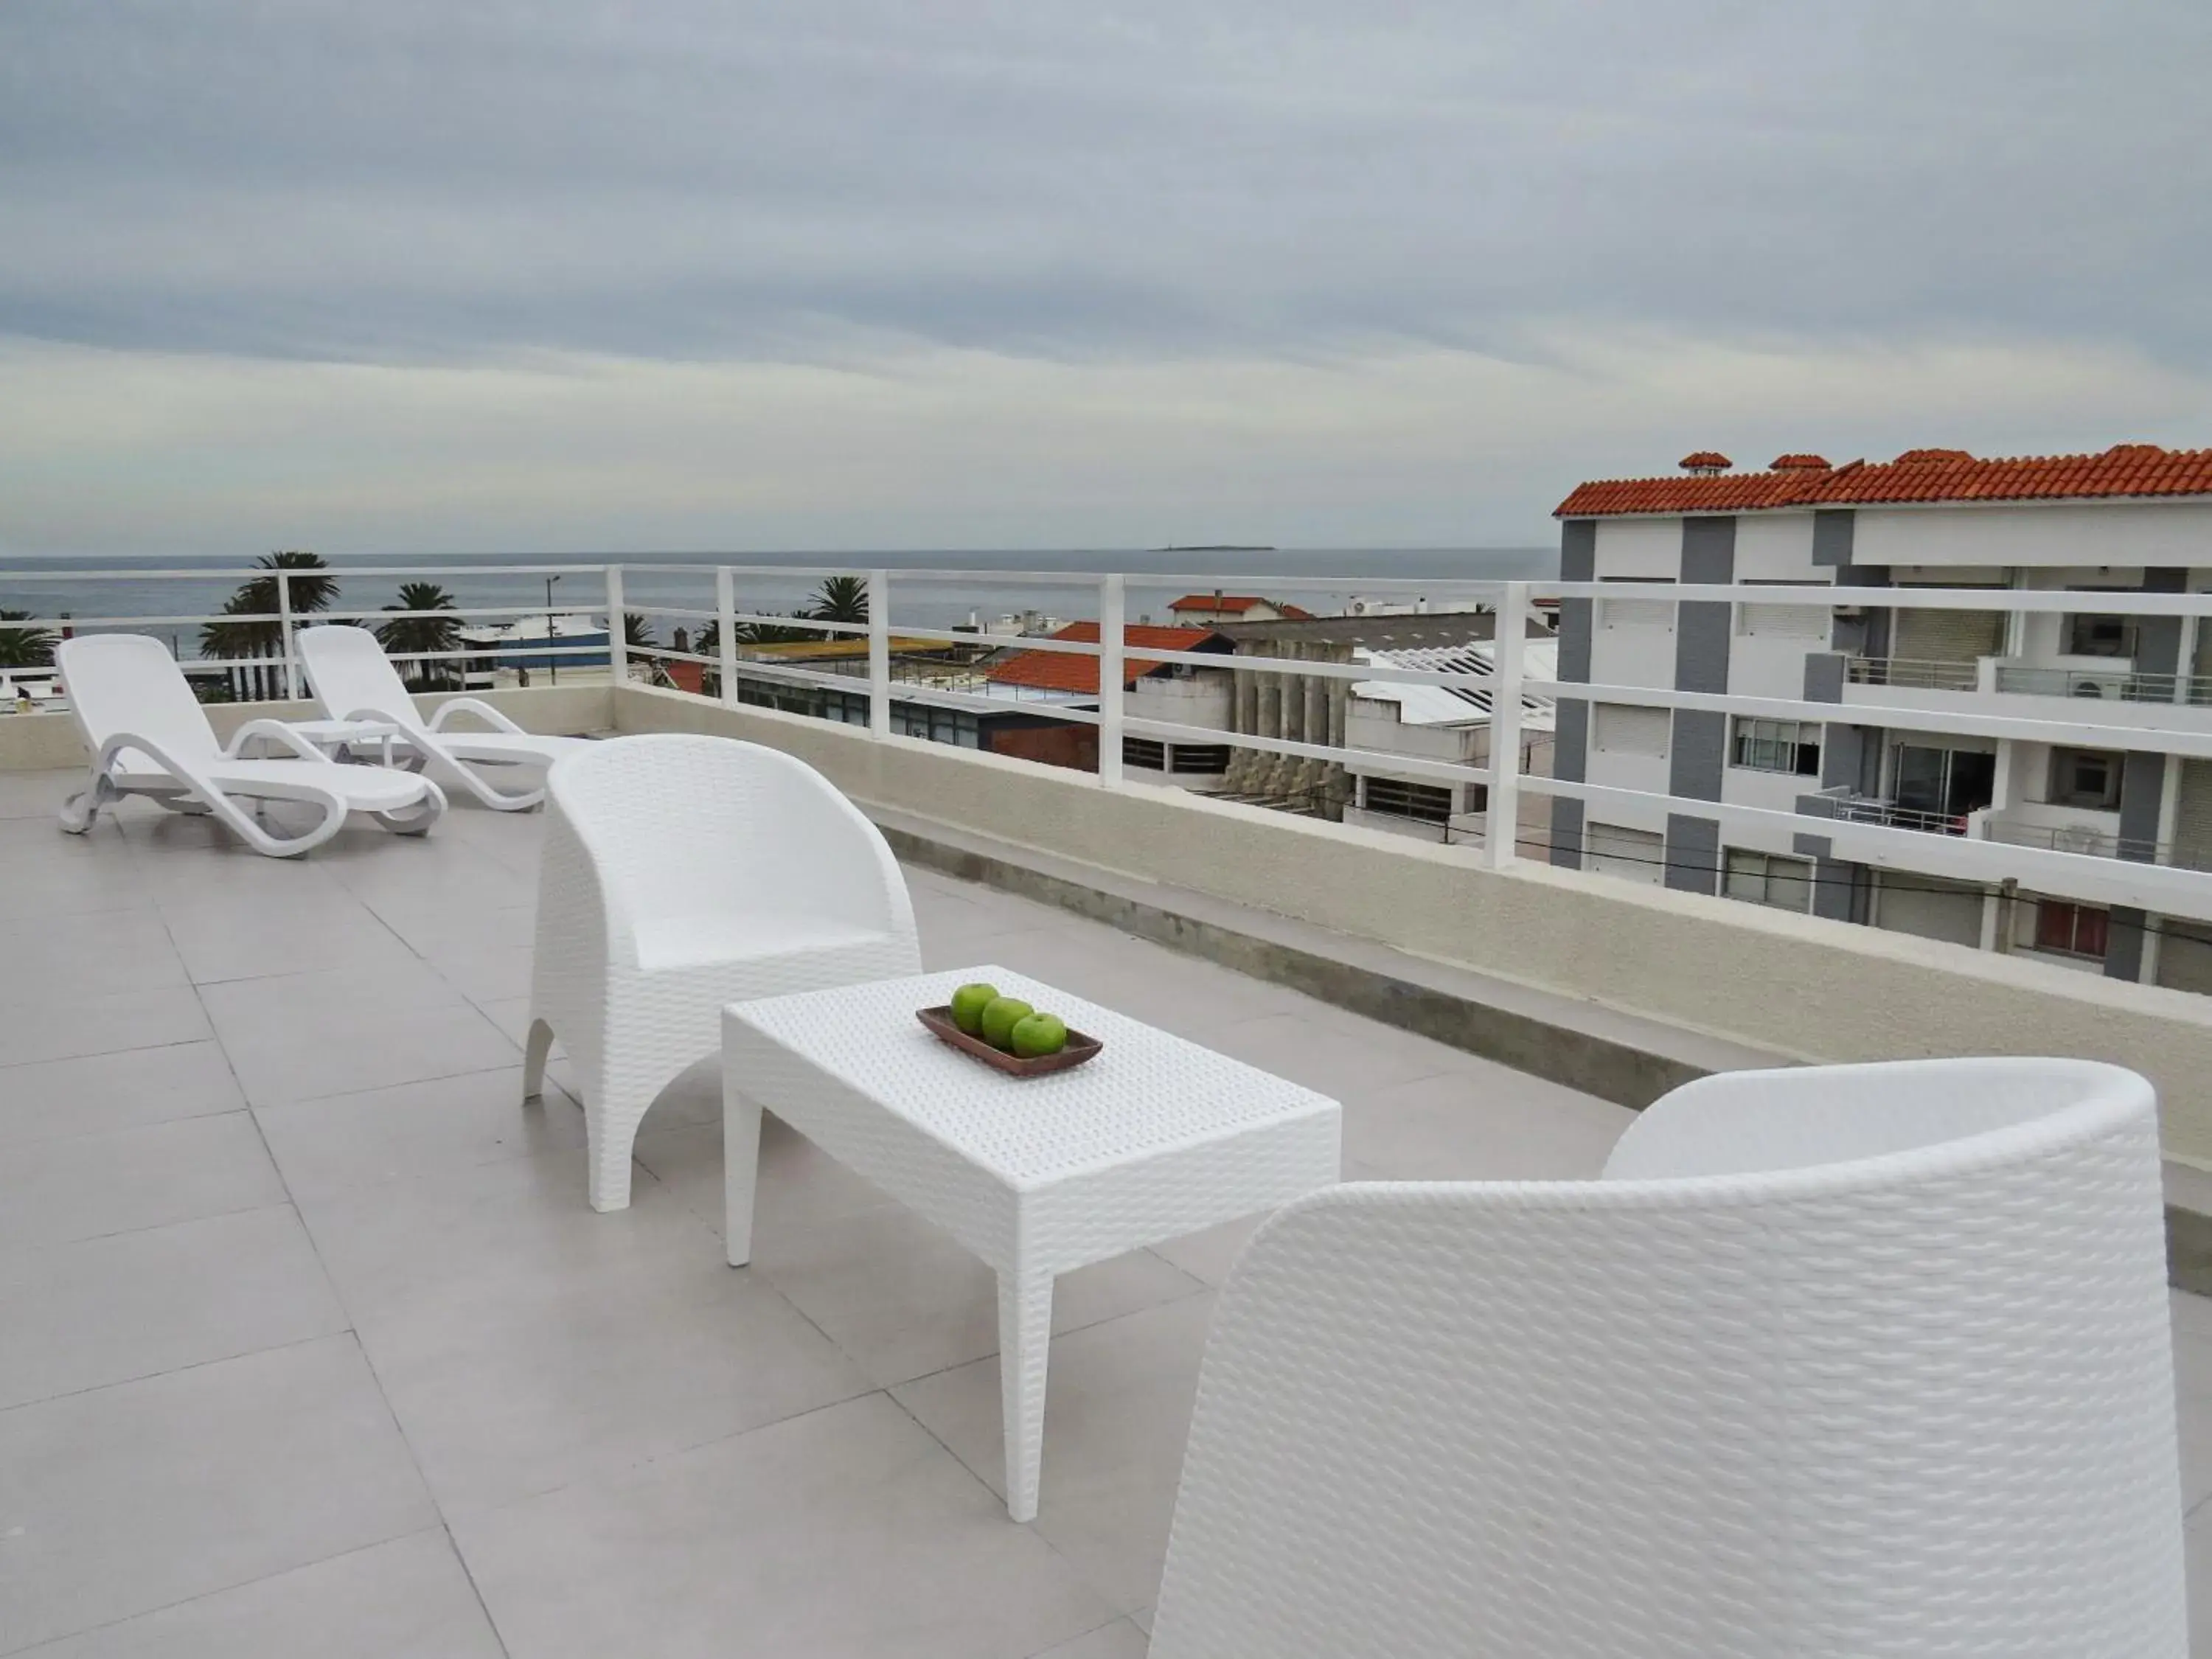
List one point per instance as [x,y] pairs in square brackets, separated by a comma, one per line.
[1918,475]
[1067,670]
[1239,603]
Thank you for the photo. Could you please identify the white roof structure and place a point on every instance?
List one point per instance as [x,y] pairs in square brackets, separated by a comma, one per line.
[1458,705]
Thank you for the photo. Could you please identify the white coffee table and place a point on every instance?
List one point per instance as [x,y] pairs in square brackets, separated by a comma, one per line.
[1155,1138]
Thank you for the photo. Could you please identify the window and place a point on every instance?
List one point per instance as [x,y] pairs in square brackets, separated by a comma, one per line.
[1147,753]
[1785,622]
[1426,803]
[2100,636]
[1627,729]
[1768,879]
[2073,930]
[1777,746]
[1208,760]
[1947,783]
[2086,777]
[951,726]
[1614,849]
[1636,613]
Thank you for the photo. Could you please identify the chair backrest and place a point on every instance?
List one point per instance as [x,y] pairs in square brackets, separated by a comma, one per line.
[1916,1403]
[129,683]
[350,674]
[679,825]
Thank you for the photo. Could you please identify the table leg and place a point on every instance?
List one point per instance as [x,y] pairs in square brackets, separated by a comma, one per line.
[1024,1344]
[741,1135]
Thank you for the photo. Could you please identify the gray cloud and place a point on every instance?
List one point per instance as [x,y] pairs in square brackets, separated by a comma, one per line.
[433,182]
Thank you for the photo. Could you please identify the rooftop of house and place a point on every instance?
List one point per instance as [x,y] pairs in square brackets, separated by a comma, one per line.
[321,1314]
[322,1319]
[1387,630]
[1077,673]
[1802,481]
[1232,605]
[1459,705]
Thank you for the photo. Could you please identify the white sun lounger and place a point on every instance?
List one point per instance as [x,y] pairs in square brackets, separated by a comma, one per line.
[148,736]
[354,680]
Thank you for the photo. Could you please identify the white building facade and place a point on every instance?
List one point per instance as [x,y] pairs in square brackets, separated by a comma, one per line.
[1943,745]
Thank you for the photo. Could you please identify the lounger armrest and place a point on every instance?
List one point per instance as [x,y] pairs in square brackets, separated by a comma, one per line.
[482,710]
[279,731]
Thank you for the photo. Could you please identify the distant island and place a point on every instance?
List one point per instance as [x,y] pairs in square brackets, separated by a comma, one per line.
[1215,547]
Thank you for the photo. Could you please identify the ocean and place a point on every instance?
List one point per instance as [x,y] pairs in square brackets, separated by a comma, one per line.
[1322,579]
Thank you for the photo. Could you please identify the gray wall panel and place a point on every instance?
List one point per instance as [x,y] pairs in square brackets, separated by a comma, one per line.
[1832,530]
[1698,754]
[1566,833]
[1694,854]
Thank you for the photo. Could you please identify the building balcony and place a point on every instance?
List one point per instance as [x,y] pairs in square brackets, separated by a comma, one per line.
[1852,808]
[2035,689]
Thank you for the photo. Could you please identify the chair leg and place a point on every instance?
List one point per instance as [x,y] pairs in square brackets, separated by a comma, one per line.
[610,1133]
[535,1047]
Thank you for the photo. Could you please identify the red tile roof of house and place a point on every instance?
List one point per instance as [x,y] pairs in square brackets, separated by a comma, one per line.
[1239,603]
[1236,604]
[1918,475]
[1067,670]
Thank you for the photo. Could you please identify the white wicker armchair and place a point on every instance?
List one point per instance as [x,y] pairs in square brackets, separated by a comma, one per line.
[680,874]
[1851,1362]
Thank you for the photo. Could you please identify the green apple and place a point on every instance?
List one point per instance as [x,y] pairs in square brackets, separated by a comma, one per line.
[1000,1016]
[1040,1034]
[969,1003]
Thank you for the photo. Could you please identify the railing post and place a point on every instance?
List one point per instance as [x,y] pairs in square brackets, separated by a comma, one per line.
[1510,656]
[618,628]
[726,631]
[879,653]
[1112,603]
[284,632]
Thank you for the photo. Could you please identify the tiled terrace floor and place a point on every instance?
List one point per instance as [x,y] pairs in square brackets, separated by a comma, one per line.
[310,1345]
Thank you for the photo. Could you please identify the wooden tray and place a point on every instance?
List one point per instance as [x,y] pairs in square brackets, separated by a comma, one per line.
[1080,1046]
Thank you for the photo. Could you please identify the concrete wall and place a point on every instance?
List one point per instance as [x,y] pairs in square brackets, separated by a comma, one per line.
[43,742]
[2111,533]
[1820,990]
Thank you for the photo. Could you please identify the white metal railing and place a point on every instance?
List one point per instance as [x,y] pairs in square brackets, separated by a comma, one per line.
[888,670]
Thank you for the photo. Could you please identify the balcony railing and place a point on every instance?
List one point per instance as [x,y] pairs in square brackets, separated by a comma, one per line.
[2120,684]
[892,677]
[1912,673]
[1868,809]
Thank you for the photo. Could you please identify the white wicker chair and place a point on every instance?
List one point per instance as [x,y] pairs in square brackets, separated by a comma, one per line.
[680,874]
[1859,1361]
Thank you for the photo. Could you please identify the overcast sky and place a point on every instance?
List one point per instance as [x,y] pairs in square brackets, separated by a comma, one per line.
[437,275]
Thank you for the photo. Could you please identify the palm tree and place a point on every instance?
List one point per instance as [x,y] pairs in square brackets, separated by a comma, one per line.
[238,640]
[308,593]
[708,644]
[841,599]
[24,647]
[637,633]
[404,636]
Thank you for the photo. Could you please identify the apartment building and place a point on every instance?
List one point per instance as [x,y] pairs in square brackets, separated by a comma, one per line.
[2118,696]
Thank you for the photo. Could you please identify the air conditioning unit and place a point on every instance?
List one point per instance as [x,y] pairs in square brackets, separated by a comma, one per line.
[2107,689]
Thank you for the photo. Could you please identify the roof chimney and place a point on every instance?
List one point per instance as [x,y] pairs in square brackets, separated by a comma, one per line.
[1705,461]
[1799,464]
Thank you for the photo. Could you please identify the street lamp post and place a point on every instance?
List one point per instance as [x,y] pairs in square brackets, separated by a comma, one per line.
[552,662]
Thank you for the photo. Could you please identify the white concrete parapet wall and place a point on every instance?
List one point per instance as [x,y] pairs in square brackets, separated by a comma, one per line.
[1795,985]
